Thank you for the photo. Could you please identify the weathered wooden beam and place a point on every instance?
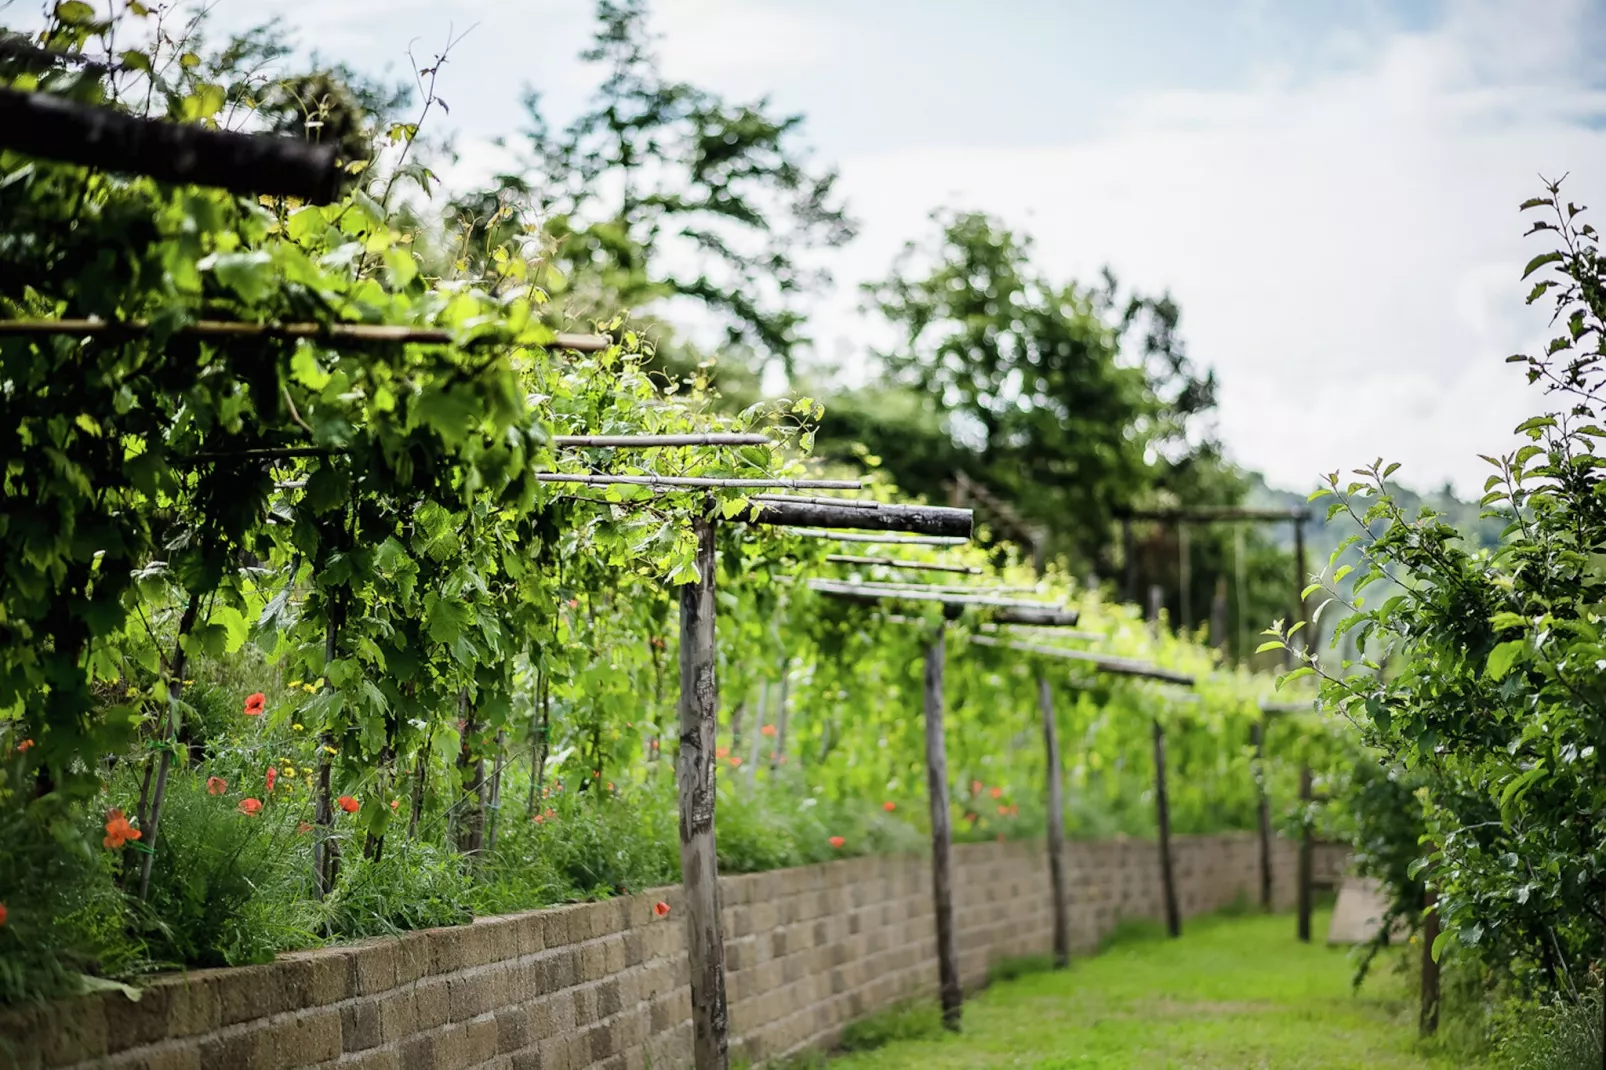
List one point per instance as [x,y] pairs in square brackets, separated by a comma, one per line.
[990,591]
[336,333]
[1105,663]
[699,864]
[599,480]
[1058,633]
[54,128]
[889,540]
[642,442]
[1056,824]
[897,563]
[929,520]
[1162,806]
[949,992]
[841,503]
[1009,610]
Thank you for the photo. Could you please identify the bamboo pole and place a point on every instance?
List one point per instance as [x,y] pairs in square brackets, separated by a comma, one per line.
[660,441]
[1105,663]
[896,563]
[948,986]
[1162,805]
[597,480]
[354,333]
[1056,824]
[892,540]
[1305,875]
[699,865]
[927,520]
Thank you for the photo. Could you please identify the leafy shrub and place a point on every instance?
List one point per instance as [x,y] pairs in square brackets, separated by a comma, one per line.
[413,884]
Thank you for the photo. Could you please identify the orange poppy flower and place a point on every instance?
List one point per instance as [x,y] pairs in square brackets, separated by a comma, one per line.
[24,746]
[722,752]
[348,804]
[118,830]
[395,804]
[767,730]
[997,793]
[255,703]
[661,909]
[250,807]
[837,842]
[1003,811]
[273,775]
[735,761]
[889,806]
[216,785]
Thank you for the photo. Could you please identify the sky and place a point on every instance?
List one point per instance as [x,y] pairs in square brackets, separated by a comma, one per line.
[1328,188]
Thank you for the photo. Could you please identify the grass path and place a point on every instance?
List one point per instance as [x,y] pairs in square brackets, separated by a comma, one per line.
[1232,994]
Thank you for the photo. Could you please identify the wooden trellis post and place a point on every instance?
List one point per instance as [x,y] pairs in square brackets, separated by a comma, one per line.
[949,992]
[1306,892]
[1056,824]
[1257,736]
[1162,806]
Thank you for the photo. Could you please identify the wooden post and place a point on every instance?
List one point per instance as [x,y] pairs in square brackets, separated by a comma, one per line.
[942,881]
[1162,805]
[1257,736]
[1218,617]
[1156,600]
[1305,889]
[1056,823]
[1184,580]
[1428,1019]
[699,866]
[1129,560]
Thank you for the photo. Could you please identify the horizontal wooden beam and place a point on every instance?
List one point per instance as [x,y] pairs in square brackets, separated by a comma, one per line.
[893,586]
[599,480]
[1010,610]
[843,503]
[888,540]
[898,563]
[1288,707]
[927,520]
[1059,633]
[39,124]
[1104,663]
[356,333]
[1203,514]
[643,442]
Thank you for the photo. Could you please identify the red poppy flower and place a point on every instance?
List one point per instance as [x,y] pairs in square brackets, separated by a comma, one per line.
[767,730]
[255,703]
[348,804]
[395,804]
[25,746]
[889,806]
[735,761]
[997,793]
[250,807]
[837,842]
[2,915]
[118,830]
[273,775]
[216,785]
[661,909]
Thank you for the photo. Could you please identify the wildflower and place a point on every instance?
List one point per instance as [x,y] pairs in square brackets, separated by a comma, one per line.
[216,785]
[574,603]
[767,730]
[610,785]
[722,752]
[889,806]
[303,828]
[661,909]
[654,744]
[118,830]
[289,770]
[551,813]
[997,793]
[348,804]
[539,819]
[298,727]
[837,842]
[735,761]
[273,774]
[25,746]
[395,804]
[330,749]
[255,703]
[1003,811]
[250,807]
[2,915]
[596,774]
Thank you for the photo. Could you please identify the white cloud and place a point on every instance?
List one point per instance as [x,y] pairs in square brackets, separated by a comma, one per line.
[1346,252]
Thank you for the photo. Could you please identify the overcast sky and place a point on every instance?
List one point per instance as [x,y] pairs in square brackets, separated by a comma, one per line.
[1328,187]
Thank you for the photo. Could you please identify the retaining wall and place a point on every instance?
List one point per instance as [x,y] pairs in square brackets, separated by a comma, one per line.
[604,985]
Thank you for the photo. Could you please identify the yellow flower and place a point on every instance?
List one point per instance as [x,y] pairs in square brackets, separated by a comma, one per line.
[289,770]
[298,728]
[330,749]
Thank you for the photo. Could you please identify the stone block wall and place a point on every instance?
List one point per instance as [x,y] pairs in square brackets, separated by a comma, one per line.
[604,985]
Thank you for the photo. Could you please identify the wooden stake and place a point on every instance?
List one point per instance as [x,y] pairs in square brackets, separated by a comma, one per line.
[1257,736]
[699,865]
[1428,1018]
[1305,889]
[942,881]
[1056,824]
[1162,805]
[930,520]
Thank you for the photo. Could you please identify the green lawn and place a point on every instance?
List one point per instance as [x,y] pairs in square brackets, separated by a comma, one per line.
[1233,994]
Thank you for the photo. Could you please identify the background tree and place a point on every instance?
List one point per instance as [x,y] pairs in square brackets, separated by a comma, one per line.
[661,190]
